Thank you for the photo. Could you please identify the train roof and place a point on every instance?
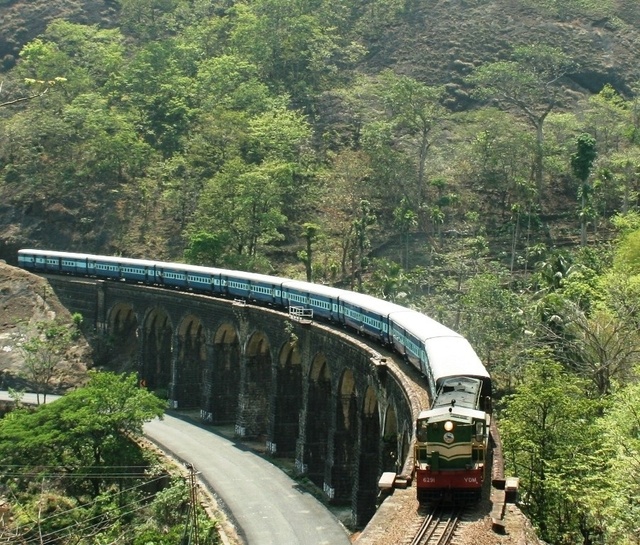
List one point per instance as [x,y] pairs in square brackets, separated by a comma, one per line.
[75,255]
[448,352]
[255,277]
[421,325]
[453,356]
[372,304]
[440,414]
[153,263]
[320,289]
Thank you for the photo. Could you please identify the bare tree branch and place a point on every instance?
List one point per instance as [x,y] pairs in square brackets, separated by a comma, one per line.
[22,99]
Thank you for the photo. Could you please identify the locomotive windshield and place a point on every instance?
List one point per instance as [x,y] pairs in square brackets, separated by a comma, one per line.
[459,392]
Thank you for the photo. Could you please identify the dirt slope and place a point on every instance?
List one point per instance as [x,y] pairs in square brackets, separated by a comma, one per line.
[26,299]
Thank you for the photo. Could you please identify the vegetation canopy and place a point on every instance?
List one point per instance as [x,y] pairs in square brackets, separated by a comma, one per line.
[476,160]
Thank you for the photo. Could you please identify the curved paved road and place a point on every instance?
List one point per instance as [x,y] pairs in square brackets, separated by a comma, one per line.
[268,507]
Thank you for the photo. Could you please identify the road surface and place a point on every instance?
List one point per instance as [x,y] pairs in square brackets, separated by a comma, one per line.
[268,507]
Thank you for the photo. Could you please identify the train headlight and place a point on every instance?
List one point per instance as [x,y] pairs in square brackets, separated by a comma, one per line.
[448,425]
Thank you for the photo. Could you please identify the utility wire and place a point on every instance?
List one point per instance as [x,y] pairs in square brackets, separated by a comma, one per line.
[102,516]
[81,526]
[97,500]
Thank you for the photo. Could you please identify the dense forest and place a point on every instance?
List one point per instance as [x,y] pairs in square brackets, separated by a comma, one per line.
[478,160]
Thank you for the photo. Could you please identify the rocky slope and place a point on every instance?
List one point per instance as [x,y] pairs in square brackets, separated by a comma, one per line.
[445,39]
[21,20]
[26,299]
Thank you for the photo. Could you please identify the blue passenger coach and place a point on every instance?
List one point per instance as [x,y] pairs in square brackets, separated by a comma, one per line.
[323,300]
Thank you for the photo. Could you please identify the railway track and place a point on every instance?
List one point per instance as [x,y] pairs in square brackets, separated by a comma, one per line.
[438,526]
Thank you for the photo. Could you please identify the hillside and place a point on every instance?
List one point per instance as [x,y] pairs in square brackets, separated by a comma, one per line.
[435,42]
[445,38]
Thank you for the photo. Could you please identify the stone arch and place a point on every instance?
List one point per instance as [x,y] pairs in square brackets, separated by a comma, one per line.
[258,386]
[222,378]
[190,362]
[369,462]
[391,442]
[288,401]
[157,333]
[123,330]
[317,425]
[345,439]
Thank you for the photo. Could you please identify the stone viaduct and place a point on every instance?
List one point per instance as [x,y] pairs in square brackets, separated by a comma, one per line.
[308,391]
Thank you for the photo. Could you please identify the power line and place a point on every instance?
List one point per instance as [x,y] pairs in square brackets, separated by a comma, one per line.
[81,526]
[97,500]
[102,519]
[132,472]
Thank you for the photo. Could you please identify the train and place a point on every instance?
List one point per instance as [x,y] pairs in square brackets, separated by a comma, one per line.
[451,436]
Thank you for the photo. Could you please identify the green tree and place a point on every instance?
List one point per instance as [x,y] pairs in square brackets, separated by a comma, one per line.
[43,347]
[405,220]
[294,44]
[31,139]
[387,280]
[81,58]
[146,19]
[242,208]
[391,172]
[619,430]
[549,436]
[231,82]
[494,321]
[528,84]
[599,346]
[310,233]
[344,185]
[416,114]
[627,253]
[494,161]
[94,53]
[157,86]
[204,248]
[621,297]
[90,428]
[608,119]
[581,165]
[107,149]
[361,226]
[617,180]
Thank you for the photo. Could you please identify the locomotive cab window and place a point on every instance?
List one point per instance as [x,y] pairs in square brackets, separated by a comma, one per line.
[479,432]
[421,430]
